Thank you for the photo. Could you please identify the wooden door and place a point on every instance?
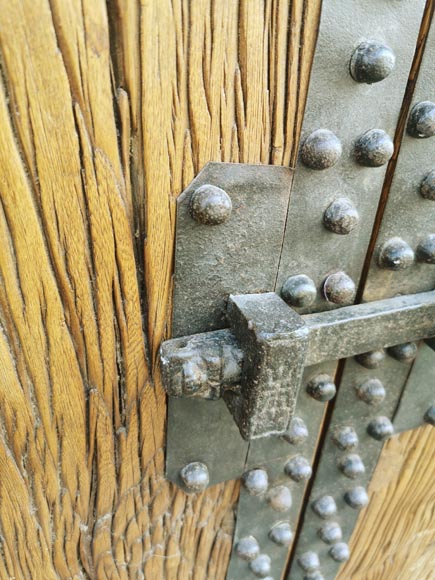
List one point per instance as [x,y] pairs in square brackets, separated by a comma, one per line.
[107,111]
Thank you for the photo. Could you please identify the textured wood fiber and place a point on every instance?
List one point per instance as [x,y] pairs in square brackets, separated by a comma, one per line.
[106,113]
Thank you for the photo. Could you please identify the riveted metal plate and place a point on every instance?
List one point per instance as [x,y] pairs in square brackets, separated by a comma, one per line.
[240,256]
[347,108]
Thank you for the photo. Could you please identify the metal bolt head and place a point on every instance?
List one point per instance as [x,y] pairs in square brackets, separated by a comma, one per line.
[341,217]
[325,507]
[421,121]
[330,533]
[281,534]
[395,254]
[351,466]
[356,498]
[261,566]
[309,562]
[429,416]
[298,468]
[248,548]
[380,428]
[339,288]
[210,205]
[371,391]
[322,388]
[195,477]
[280,498]
[372,359]
[297,432]
[374,148]
[299,291]
[345,438]
[405,352]
[426,250]
[314,576]
[371,62]
[321,149]
[427,186]
[340,552]
[256,481]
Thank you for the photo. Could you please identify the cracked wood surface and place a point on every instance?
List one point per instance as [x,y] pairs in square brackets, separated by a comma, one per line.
[107,111]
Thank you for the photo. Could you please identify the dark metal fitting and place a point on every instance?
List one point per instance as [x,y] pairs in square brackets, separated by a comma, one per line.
[426,250]
[309,562]
[195,477]
[421,121]
[372,359]
[395,254]
[374,148]
[210,205]
[351,466]
[281,534]
[341,216]
[340,552]
[371,391]
[339,288]
[356,498]
[298,468]
[405,352]
[427,186]
[380,428]
[256,481]
[321,150]
[261,566]
[325,507]
[280,498]
[330,533]
[322,388]
[299,291]
[372,62]
[297,432]
[345,438]
[248,548]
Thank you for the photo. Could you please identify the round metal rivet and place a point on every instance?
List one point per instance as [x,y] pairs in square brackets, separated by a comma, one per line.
[330,533]
[322,388]
[256,481]
[395,254]
[405,352]
[298,468]
[345,438]
[299,291]
[340,552]
[429,416]
[427,186]
[351,466]
[421,122]
[325,507]
[380,428]
[426,250]
[261,566]
[371,391]
[309,562]
[321,149]
[339,288]
[210,205]
[341,216]
[280,498]
[372,359]
[374,148]
[314,576]
[248,548]
[297,432]
[371,62]
[195,477]
[357,498]
[281,534]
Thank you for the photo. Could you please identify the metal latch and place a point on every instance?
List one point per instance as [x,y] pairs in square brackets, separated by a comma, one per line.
[256,365]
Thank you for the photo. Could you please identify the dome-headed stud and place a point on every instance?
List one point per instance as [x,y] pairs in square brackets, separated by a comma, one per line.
[371,391]
[421,122]
[341,216]
[299,291]
[356,498]
[281,534]
[371,62]
[261,566]
[325,507]
[426,250]
[322,388]
[280,498]
[340,552]
[351,466]
[321,149]
[195,477]
[297,432]
[429,416]
[374,148]
[247,548]
[372,359]
[405,352]
[330,533]
[380,428]
[395,254]
[309,562]
[339,288]
[210,205]
[345,438]
[314,576]
[256,481]
[427,186]
[298,468]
